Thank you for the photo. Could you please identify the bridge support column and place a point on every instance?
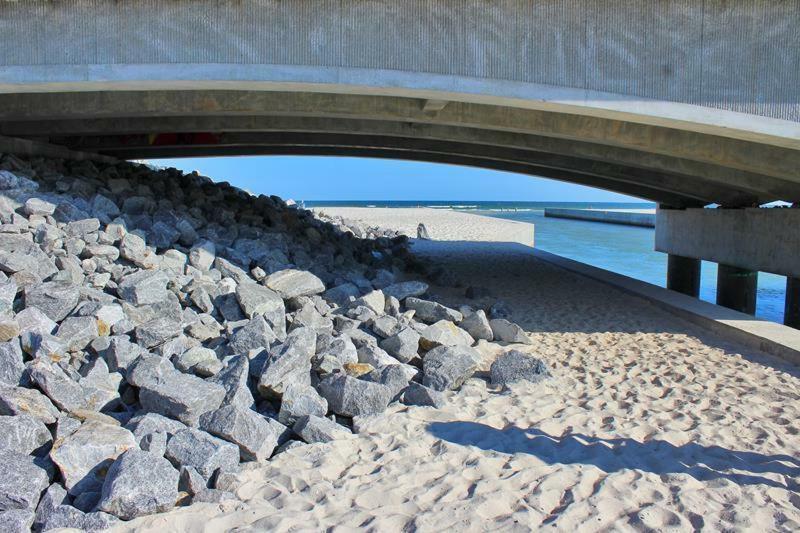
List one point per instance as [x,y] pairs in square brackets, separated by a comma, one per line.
[683,274]
[791,312]
[736,288]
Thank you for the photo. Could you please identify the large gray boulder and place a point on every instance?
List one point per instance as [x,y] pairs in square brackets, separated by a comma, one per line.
[447,367]
[444,333]
[257,300]
[430,312]
[149,423]
[421,395]
[144,287]
[139,483]
[76,332]
[54,496]
[403,346]
[181,396]
[514,366]
[404,289]
[204,452]
[23,434]
[506,331]
[64,391]
[342,349]
[202,254]
[56,299]
[255,335]
[19,401]
[21,481]
[348,396]
[291,283]
[477,325]
[12,365]
[234,379]
[318,429]
[83,456]
[300,400]
[157,331]
[289,362]
[243,427]
[16,520]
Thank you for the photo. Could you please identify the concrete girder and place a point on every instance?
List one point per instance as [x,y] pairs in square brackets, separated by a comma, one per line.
[753,188]
[693,188]
[762,188]
[633,189]
[776,161]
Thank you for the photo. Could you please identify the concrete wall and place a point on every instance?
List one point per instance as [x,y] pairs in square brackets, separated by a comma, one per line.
[765,240]
[625,218]
[734,56]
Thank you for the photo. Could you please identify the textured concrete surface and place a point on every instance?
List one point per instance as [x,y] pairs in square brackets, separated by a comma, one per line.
[761,240]
[681,102]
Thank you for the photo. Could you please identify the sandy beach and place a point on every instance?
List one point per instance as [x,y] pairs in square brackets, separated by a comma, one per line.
[650,423]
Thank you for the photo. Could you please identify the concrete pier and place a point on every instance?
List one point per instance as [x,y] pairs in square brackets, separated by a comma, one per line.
[791,314]
[736,288]
[683,275]
[624,217]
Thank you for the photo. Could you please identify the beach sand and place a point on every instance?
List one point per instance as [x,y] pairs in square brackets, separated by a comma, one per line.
[649,424]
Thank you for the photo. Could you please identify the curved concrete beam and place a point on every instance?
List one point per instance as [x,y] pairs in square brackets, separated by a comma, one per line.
[754,188]
[693,188]
[633,189]
[775,161]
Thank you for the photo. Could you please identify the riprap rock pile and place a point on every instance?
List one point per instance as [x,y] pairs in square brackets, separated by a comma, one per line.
[158,329]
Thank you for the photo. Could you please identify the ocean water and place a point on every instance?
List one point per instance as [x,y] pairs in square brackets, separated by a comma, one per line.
[626,250]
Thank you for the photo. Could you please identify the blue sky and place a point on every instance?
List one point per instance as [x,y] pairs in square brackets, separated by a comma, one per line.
[348,178]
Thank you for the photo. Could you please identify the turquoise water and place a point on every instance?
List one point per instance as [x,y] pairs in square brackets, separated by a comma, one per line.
[626,250]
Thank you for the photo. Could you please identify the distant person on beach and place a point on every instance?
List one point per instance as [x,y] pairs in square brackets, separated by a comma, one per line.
[422,232]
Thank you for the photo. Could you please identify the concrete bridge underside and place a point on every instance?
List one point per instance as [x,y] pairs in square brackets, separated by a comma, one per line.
[681,102]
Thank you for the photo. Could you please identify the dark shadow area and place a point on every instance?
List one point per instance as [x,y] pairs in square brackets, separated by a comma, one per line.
[703,463]
[559,300]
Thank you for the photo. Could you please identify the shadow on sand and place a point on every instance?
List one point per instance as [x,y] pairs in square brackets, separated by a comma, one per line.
[612,455]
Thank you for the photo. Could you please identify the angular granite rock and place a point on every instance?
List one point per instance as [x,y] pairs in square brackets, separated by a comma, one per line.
[243,427]
[20,400]
[318,429]
[83,456]
[137,484]
[206,453]
[23,434]
[21,481]
[417,394]
[258,300]
[514,366]
[348,396]
[430,312]
[506,331]
[444,333]
[404,289]
[403,346]
[291,283]
[300,400]
[144,287]
[255,335]
[477,325]
[56,299]
[288,362]
[447,367]
[234,379]
[180,396]
[157,331]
